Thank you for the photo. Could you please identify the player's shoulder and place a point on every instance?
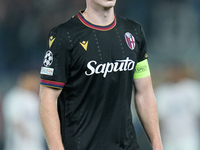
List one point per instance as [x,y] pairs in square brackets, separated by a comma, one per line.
[66,26]
[128,22]
[66,32]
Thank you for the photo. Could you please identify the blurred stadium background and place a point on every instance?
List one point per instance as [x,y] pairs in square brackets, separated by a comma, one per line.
[172,30]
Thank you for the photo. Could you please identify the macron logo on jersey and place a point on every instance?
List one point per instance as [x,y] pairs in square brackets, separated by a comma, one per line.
[118,65]
[84,44]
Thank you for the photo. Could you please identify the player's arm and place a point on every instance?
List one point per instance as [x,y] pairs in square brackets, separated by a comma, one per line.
[145,103]
[147,110]
[49,117]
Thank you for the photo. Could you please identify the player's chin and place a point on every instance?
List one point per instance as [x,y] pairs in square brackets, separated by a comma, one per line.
[108,6]
[110,3]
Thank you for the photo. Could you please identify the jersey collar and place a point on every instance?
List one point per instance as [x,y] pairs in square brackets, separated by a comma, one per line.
[96,27]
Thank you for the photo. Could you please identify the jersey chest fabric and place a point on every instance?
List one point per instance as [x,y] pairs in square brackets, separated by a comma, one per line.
[94,66]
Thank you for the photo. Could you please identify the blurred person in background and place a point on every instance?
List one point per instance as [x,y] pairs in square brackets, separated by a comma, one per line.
[23,129]
[1,123]
[179,109]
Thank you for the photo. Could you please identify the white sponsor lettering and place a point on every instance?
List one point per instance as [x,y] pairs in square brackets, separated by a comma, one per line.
[118,65]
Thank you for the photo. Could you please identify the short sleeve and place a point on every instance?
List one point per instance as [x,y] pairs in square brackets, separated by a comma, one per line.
[56,61]
[142,67]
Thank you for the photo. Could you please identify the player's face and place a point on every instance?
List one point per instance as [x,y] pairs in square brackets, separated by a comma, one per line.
[103,3]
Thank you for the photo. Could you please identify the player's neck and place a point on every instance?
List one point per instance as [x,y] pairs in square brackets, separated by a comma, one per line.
[99,16]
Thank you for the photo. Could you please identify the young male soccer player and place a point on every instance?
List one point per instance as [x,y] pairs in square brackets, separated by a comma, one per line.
[92,64]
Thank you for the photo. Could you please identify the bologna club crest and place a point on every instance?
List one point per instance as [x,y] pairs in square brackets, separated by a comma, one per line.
[130,40]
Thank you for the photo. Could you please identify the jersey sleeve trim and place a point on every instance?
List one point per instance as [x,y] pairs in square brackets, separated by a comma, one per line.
[52,84]
[142,70]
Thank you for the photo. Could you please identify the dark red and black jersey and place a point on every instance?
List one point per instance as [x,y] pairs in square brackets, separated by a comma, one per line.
[94,66]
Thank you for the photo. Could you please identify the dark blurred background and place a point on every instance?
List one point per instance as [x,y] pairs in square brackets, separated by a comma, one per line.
[172,30]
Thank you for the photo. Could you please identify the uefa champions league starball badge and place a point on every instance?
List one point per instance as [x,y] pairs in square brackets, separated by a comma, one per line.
[48,59]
